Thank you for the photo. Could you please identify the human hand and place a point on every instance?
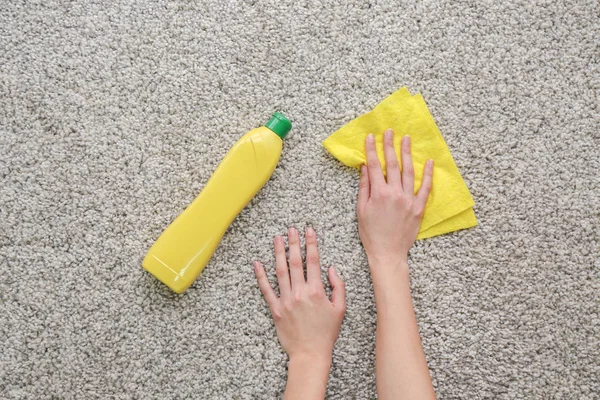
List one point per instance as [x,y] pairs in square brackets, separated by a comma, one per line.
[307,322]
[389,212]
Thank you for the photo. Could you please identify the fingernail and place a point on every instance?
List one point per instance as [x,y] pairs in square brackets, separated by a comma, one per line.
[371,138]
[310,231]
[292,231]
[389,133]
[256,265]
[430,164]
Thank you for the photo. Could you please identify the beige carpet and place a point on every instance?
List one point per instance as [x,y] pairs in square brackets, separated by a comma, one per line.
[114,114]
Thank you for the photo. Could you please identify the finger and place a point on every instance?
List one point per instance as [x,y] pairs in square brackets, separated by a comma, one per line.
[265,286]
[296,271]
[391,160]
[281,267]
[426,184]
[408,170]
[373,164]
[338,294]
[363,187]
[313,265]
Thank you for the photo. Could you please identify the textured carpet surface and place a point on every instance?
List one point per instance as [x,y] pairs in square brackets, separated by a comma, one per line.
[114,114]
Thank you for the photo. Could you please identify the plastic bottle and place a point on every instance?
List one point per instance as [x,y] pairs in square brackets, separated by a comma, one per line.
[186,246]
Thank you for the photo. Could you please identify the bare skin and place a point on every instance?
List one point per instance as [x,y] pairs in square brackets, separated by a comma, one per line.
[389,217]
[308,323]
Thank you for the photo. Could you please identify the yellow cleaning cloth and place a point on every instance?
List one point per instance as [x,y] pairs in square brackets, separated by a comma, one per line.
[449,207]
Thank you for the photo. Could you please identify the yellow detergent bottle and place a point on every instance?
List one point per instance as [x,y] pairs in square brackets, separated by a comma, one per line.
[186,246]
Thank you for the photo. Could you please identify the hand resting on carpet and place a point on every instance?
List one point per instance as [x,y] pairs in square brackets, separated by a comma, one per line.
[308,323]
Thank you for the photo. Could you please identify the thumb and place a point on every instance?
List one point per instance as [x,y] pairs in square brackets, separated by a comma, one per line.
[338,294]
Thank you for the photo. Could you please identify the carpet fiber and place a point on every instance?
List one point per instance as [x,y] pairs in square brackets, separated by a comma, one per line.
[114,114]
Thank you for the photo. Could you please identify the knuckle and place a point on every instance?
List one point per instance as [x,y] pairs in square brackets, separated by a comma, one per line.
[297,298]
[312,259]
[287,307]
[410,171]
[280,272]
[277,313]
[373,164]
[314,293]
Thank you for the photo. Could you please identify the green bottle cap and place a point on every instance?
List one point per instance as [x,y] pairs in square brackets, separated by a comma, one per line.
[279,124]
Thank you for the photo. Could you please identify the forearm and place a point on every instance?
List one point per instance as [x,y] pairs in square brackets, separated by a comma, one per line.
[307,378]
[402,371]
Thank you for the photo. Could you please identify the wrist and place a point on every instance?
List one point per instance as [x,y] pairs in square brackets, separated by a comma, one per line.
[388,268]
[307,377]
[391,281]
[311,360]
